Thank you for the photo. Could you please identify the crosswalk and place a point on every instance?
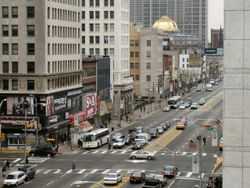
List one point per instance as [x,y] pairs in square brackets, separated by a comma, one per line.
[182,175]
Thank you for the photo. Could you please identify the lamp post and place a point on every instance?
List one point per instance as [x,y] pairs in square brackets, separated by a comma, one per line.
[25,106]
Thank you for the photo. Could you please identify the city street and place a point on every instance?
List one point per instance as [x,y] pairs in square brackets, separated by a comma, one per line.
[172,149]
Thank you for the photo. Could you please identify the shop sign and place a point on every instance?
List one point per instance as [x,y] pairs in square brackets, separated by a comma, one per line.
[50,106]
[76,119]
[60,103]
[91,104]
[53,119]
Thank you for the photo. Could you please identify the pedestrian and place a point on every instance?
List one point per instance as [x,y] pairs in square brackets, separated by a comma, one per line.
[73,166]
[204,140]
[26,160]
[3,171]
[79,143]
[7,164]
[126,117]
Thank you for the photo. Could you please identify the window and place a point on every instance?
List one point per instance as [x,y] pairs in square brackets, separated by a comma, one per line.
[83,15]
[5,49]
[14,67]
[83,3]
[97,51]
[112,51]
[97,3]
[5,67]
[148,43]
[148,78]
[5,84]
[31,30]
[97,39]
[14,49]
[112,27]
[97,27]
[131,54]
[30,49]
[148,66]
[148,54]
[5,30]
[5,12]
[14,85]
[106,39]
[91,27]
[91,3]
[136,54]
[83,39]
[112,3]
[106,3]
[30,67]
[91,14]
[30,84]
[106,14]
[83,27]
[131,65]
[91,51]
[112,14]
[30,12]
[105,27]
[97,14]
[14,12]
[137,77]
[91,40]
[106,51]
[14,30]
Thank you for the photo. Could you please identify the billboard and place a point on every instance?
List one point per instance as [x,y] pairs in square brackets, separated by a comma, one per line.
[90,104]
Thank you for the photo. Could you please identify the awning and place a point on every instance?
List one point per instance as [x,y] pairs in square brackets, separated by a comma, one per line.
[59,125]
[85,126]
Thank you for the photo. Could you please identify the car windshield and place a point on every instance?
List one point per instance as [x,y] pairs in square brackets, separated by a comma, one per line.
[10,177]
[111,176]
[168,168]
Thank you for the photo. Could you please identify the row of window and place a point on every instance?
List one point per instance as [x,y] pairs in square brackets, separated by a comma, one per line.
[30,12]
[134,43]
[96,14]
[63,49]
[96,3]
[15,67]
[14,49]
[63,31]
[63,14]
[64,66]
[96,27]
[136,77]
[96,39]
[14,84]
[62,82]
[69,2]
[96,51]
[134,54]
[14,30]
[134,65]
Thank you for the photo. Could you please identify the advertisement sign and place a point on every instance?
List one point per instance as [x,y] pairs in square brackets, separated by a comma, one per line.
[90,104]
[50,106]
[15,105]
[60,103]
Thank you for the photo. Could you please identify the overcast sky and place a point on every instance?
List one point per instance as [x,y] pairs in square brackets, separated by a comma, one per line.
[215,14]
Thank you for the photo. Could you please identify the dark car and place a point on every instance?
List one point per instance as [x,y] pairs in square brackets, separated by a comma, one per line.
[155,181]
[137,177]
[139,130]
[137,145]
[153,132]
[29,171]
[43,150]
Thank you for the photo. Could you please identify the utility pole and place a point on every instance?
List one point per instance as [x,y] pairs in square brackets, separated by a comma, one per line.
[200,168]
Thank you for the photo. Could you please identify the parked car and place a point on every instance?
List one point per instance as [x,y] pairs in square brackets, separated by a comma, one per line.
[166,109]
[112,178]
[28,170]
[43,150]
[14,178]
[168,125]
[202,101]
[153,132]
[194,106]
[143,137]
[169,171]
[160,129]
[129,139]
[188,103]
[137,177]
[138,145]
[117,135]
[119,143]
[139,130]
[182,106]
[141,154]
[155,181]
[164,126]
[209,87]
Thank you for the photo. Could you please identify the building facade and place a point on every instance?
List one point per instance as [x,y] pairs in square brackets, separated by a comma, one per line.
[236,114]
[190,15]
[105,31]
[217,38]
[40,67]
[135,58]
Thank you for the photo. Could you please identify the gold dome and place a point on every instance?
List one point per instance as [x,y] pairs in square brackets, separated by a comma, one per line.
[166,24]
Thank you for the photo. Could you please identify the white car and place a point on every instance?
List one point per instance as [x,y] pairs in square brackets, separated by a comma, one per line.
[141,154]
[166,109]
[14,178]
[112,178]
[182,106]
[202,101]
[194,106]
[119,143]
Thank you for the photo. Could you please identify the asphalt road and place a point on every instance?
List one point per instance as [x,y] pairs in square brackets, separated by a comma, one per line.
[92,165]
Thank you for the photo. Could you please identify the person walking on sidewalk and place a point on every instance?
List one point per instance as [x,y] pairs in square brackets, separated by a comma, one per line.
[204,140]
[73,166]
[3,171]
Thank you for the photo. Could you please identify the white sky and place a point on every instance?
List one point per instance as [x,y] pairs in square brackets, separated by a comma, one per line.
[215,14]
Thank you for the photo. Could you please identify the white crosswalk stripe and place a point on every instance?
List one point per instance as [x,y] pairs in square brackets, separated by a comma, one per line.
[81,171]
[57,171]
[47,171]
[189,174]
[104,152]
[93,171]
[106,171]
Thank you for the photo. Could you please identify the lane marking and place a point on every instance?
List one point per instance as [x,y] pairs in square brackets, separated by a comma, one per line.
[195,153]
[17,160]
[104,151]
[69,171]
[118,171]
[86,152]
[189,174]
[93,171]
[47,171]
[184,153]
[178,173]
[94,152]
[204,154]
[57,171]
[39,170]
[113,152]
[124,151]
[215,156]
[106,171]
[48,184]
[81,171]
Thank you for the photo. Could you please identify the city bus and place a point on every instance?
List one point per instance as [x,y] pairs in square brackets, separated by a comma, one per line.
[95,138]
[174,101]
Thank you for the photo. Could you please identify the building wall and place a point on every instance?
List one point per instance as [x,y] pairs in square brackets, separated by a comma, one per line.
[183,61]
[236,170]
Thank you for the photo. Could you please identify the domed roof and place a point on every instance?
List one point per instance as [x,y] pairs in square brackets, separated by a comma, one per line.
[166,24]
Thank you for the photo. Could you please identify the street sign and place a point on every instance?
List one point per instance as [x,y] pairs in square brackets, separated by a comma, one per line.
[211,51]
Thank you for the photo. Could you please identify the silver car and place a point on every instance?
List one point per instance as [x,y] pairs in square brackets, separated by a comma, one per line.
[141,154]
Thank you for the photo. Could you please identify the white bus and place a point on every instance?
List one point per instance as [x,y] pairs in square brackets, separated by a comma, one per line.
[173,102]
[95,138]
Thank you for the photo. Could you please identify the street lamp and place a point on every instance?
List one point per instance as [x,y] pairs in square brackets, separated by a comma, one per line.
[25,107]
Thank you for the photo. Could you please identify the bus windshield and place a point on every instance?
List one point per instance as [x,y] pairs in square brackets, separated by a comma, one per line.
[88,138]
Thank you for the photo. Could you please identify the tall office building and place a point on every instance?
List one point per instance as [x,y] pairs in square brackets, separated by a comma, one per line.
[40,72]
[190,15]
[236,130]
[217,38]
[105,31]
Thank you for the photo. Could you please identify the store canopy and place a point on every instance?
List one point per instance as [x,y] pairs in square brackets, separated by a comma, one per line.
[85,126]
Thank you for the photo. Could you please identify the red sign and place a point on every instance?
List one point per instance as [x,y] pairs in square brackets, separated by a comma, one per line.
[76,119]
[91,104]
